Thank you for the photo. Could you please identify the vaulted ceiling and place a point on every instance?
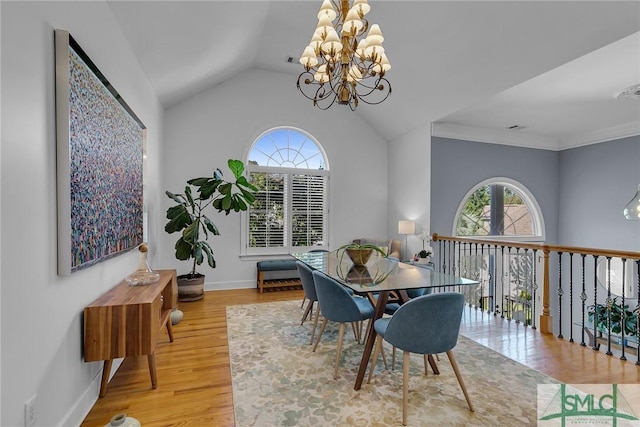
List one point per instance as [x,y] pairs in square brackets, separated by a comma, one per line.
[551,67]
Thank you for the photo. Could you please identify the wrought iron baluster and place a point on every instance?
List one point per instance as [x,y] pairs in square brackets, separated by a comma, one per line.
[570,296]
[516,298]
[609,303]
[502,282]
[535,289]
[560,293]
[527,289]
[624,312]
[596,346]
[481,281]
[637,311]
[583,298]
[494,301]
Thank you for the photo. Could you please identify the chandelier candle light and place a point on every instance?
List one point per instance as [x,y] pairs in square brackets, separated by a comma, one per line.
[342,65]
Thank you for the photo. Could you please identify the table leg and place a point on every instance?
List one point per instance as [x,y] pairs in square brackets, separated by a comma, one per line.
[170,329]
[106,370]
[371,338]
[152,369]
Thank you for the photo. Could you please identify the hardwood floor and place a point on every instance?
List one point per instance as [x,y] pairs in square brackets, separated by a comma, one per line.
[194,378]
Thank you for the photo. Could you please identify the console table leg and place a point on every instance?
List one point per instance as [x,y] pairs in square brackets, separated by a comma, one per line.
[106,370]
[152,369]
[170,330]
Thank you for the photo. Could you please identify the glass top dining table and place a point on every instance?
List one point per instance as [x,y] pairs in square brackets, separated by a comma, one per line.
[381,276]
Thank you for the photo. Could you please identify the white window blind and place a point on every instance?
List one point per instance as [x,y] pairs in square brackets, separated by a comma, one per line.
[291,210]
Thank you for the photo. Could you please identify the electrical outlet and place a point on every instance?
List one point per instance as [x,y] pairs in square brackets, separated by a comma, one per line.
[30,412]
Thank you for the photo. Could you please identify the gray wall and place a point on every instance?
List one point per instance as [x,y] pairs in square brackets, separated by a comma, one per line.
[596,182]
[457,166]
[41,311]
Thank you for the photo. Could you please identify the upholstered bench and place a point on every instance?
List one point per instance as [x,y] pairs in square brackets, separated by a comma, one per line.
[284,272]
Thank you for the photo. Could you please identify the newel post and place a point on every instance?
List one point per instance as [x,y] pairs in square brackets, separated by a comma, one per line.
[546,321]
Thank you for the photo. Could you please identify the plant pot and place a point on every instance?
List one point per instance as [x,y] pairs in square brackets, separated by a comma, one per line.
[190,287]
[426,260]
[359,256]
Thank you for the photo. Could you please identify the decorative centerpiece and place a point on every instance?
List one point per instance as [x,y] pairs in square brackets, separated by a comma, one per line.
[143,275]
[359,253]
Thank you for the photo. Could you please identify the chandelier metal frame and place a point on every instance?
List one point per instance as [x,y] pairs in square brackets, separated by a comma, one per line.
[342,65]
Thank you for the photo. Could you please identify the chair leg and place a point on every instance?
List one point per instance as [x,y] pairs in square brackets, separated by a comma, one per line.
[384,358]
[338,350]
[315,324]
[426,372]
[303,300]
[405,386]
[393,359]
[306,312]
[324,324]
[376,351]
[355,331]
[454,365]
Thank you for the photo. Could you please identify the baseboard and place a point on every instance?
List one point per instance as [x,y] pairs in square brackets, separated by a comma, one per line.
[237,284]
[78,412]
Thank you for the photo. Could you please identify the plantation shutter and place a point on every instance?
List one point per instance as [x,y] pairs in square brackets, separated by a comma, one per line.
[308,210]
[267,225]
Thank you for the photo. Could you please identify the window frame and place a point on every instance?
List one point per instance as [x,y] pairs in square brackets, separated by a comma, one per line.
[537,219]
[247,251]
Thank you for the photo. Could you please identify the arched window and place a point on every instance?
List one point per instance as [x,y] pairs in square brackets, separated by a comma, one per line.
[291,209]
[499,207]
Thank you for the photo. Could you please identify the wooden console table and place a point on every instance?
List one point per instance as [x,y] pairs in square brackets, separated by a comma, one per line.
[126,321]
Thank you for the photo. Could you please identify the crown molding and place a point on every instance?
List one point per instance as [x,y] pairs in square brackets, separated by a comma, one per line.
[492,136]
[517,138]
[608,134]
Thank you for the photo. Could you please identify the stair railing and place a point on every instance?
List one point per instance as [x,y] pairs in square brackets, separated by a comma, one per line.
[596,294]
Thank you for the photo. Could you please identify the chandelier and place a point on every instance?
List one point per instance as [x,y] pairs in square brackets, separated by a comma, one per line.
[340,63]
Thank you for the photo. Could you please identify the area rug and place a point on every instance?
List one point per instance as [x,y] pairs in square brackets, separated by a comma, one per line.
[279,381]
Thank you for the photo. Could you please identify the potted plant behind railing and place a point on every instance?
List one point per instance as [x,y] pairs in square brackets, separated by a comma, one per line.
[615,315]
[188,217]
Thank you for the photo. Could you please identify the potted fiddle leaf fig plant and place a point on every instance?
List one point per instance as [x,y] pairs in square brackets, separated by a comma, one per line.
[188,217]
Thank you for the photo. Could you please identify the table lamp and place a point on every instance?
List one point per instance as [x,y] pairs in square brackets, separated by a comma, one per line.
[406,227]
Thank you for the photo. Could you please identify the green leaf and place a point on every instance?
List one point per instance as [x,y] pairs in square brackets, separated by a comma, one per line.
[176,197]
[211,226]
[187,192]
[207,250]
[237,167]
[225,188]
[183,250]
[179,219]
[190,234]
[226,203]
[198,254]
[209,187]
[197,182]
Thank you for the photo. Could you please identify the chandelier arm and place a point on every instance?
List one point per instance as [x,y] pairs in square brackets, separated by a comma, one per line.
[383,88]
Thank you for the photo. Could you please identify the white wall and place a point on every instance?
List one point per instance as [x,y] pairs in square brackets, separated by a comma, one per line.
[221,123]
[410,184]
[41,311]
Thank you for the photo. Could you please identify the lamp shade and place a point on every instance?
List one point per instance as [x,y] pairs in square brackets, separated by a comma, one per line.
[406,227]
[632,209]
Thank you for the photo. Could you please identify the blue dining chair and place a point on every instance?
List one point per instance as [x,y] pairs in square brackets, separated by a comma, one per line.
[338,305]
[304,298]
[309,288]
[425,325]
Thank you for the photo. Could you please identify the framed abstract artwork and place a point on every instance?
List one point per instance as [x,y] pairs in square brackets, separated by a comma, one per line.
[100,143]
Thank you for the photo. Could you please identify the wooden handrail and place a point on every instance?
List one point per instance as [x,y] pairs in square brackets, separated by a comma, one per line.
[546,320]
[555,248]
